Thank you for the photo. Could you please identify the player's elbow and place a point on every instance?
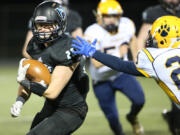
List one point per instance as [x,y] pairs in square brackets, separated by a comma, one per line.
[50,95]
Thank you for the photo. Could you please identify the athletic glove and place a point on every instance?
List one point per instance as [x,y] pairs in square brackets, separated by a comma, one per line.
[22,71]
[16,107]
[83,47]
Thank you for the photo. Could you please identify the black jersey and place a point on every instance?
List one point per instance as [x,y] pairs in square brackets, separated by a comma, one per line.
[59,53]
[152,13]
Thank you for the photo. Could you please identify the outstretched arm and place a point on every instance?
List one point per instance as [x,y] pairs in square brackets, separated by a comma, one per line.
[116,63]
[84,48]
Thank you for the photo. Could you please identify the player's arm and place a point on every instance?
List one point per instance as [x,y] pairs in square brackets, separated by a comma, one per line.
[148,19]
[143,34]
[123,49]
[96,63]
[87,49]
[117,64]
[22,96]
[134,47]
[29,35]
[25,94]
[60,77]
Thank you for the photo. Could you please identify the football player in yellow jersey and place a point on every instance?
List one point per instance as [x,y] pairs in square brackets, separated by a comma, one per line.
[160,60]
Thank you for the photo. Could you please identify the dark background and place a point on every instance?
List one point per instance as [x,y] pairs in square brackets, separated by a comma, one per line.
[14,16]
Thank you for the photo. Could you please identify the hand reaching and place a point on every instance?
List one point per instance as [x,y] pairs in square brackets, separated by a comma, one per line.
[83,47]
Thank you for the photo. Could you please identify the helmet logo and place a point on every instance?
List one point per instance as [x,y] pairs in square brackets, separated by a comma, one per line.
[164,29]
[61,12]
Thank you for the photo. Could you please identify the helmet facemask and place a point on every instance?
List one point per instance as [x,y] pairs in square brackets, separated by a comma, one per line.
[151,42]
[49,22]
[50,34]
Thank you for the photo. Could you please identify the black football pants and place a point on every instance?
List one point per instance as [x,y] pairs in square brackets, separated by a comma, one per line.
[53,121]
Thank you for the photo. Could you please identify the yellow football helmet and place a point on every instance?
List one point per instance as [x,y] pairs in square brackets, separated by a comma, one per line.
[108,7]
[165,32]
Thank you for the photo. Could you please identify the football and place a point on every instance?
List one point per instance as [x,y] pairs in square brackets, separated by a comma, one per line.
[37,71]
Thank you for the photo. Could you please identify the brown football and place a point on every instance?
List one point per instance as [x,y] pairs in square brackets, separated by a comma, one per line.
[37,71]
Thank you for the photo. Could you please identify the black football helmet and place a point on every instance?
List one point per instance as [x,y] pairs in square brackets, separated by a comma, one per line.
[62,2]
[170,6]
[49,13]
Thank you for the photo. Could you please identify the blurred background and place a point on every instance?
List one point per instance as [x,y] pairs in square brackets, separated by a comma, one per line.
[15,15]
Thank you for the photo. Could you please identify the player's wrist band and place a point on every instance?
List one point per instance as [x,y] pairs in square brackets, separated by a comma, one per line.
[19,98]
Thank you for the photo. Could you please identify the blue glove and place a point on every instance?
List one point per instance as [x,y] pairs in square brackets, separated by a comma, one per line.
[83,47]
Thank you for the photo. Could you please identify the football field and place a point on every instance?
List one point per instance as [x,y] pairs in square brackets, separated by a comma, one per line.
[95,123]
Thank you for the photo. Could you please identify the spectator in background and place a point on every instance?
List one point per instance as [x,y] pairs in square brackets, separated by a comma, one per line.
[74,24]
[166,7]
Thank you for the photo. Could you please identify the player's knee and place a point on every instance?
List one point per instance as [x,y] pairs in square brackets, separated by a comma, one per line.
[139,101]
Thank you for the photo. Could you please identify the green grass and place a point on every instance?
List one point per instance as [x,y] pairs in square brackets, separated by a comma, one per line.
[95,123]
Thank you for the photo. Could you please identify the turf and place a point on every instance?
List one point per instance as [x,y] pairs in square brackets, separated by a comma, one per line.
[95,123]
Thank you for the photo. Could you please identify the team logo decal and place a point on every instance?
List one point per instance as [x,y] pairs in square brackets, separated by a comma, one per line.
[61,12]
[164,30]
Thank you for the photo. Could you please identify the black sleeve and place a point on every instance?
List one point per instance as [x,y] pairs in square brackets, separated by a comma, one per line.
[117,64]
[62,53]
[74,21]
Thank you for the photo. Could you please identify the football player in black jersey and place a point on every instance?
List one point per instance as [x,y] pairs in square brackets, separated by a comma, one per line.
[65,106]
[166,7]
[74,24]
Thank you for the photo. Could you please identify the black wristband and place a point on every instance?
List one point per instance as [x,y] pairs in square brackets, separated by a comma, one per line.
[19,98]
[34,87]
[37,88]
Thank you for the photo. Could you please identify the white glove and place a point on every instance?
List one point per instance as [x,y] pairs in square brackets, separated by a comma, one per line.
[16,108]
[22,71]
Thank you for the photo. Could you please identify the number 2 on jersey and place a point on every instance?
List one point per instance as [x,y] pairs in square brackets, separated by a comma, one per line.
[176,72]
